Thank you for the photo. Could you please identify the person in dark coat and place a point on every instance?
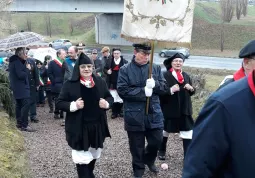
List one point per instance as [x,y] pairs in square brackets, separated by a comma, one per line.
[33,78]
[42,73]
[248,64]
[134,87]
[55,73]
[97,62]
[105,57]
[113,66]
[19,82]
[176,103]
[223,143]
[47,83]
[85,98]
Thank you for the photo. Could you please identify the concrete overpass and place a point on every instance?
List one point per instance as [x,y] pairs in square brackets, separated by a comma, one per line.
[108,14]
[70,6]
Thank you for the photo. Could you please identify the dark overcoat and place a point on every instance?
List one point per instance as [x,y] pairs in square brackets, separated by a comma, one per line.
[18,75]
[131,82]
[73,122]
[55,73]
[223,144]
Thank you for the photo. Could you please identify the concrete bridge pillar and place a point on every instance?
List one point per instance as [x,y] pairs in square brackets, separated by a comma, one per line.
[108,28]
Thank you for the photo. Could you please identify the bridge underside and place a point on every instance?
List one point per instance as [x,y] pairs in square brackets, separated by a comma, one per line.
[68,6]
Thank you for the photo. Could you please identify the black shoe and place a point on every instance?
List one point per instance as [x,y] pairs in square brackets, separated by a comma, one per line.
[161,155]
[120,115]
[28,129]
[153,168]
[56,116]
[34,120]
[61,116]
[114,116]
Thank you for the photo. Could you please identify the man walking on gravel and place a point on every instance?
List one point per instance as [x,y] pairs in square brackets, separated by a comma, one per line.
[134,88]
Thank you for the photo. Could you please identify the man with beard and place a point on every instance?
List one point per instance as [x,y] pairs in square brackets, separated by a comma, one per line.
[134,87]
[69,62]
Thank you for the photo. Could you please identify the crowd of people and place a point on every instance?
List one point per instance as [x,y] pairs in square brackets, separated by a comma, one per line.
[152,105]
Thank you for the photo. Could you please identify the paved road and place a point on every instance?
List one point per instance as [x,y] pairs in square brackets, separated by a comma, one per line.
[202,61]
[195,61]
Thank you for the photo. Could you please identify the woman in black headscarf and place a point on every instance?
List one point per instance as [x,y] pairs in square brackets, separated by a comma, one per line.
[85,98]
[176,104]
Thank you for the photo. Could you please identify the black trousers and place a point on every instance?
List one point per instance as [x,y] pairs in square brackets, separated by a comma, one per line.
[56,111]
[32,109]
[86,170]
[49,97]
[140,154]
[22,109]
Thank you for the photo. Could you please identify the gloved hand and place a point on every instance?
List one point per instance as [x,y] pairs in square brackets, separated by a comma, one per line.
[174,89]
[150,83]
[148,91]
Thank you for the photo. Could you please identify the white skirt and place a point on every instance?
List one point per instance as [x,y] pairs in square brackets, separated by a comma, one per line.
[85,157]
[116,96]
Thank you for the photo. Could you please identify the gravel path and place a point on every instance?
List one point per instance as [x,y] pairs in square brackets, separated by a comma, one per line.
[50,156]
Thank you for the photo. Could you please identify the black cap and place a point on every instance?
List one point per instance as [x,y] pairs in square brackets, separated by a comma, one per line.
[84,59]
[115,49]
[142,46]
[38,62]
[248,50]
[168,61]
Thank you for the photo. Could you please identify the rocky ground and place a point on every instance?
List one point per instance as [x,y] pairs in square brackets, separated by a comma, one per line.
[50,156]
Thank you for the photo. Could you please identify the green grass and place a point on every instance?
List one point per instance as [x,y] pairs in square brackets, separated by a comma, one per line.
[13,163]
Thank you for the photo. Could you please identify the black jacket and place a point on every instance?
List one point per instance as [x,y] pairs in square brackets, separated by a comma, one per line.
[173,106]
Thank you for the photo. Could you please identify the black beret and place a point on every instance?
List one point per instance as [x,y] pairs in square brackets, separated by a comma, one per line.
[248,50]
[142,46]
[168,61]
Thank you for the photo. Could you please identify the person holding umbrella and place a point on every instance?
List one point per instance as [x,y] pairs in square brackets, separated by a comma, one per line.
[134,86]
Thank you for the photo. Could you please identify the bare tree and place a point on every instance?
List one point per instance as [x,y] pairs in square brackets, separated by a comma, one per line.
[227,12]
[245,6]
[239,9]
[71,26]
[29,23]
[47,19]
[6,25]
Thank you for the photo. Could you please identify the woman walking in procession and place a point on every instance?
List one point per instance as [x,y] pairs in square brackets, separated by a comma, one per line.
[112,67]
[176,103]
[85,98]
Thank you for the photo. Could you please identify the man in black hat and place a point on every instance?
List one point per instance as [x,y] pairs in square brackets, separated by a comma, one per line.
[248,64]
[134,87]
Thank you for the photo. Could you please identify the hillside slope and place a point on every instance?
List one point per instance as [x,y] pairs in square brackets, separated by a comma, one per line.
[206,30]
